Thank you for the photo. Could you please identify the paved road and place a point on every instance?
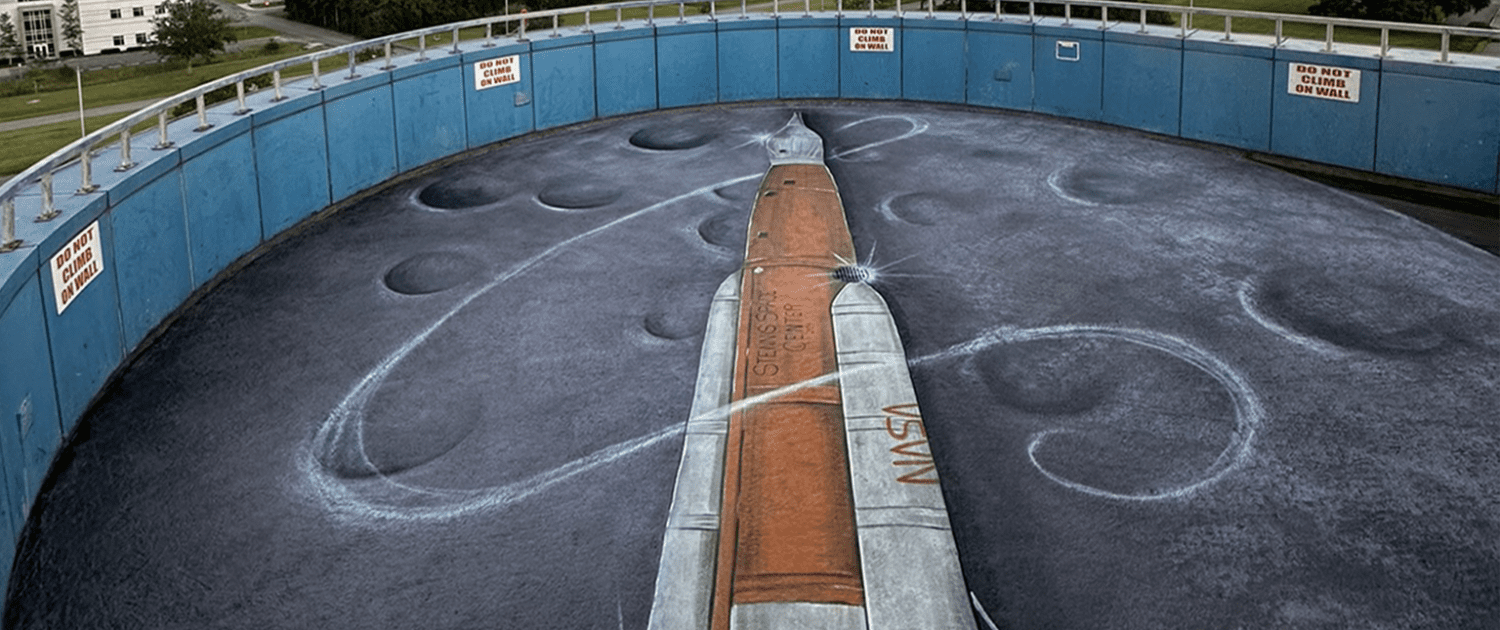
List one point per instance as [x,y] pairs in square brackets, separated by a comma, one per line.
[1166,387]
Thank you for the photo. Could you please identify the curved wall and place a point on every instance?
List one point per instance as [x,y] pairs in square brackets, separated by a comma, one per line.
[181,215]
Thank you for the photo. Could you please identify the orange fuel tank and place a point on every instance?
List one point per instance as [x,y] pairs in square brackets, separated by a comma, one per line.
[788,533]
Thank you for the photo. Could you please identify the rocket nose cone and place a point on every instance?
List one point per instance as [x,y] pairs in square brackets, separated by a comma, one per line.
[795,144]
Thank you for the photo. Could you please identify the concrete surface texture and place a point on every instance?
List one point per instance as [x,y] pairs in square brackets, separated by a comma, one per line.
[1164,387]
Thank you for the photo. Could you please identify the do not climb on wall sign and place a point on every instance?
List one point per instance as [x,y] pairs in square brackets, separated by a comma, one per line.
[1336,84]
[496,72]
[76,265]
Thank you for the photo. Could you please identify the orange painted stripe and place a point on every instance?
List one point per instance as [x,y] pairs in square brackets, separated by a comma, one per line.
[787,530]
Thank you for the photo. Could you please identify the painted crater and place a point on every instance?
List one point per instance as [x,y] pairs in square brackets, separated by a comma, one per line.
[462,193]
[579,193]
[430,272]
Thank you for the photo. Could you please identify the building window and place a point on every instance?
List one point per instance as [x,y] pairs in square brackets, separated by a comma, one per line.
[36,30]
[142,38]
[114,14]
[161,9]
[119,40]
[138,11]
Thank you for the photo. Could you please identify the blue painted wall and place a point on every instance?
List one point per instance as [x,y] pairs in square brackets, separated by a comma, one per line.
[361,130]
[688,64]
[429,102]
[1142,81]
[998,69]
[563,78]
[931,48]
[1323,130]
[808,57]
[1439,124]
[182,215]
[1226,94]
[223,207]
[627,52]
[868,74]
[291,158]
[503,111]
[747,59]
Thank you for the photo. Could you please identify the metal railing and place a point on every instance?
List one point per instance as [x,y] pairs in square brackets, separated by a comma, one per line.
[514,26]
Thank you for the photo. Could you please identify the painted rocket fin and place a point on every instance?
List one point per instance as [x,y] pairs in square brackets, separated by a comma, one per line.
[907,554]
[685,577]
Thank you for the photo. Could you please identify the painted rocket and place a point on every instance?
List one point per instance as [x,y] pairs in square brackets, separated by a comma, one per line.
[807,496]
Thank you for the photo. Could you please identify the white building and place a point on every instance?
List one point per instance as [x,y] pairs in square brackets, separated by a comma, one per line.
[108,25]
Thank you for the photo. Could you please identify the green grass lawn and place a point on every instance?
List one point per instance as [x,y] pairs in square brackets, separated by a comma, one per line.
[26,146]
[130,84]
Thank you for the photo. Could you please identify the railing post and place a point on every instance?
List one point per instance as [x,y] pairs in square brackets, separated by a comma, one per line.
[839,8]
[872,8]
[521,37]
[162,142]
[931,4]
[455,50]
[963,9]
[421,48]
[806,8]
[49,207]
[86,164]
[620,18]
[353,67]
[1385,41]
[588,22]
[1278,32]
[1103,18]
[489,34]
[8,240]
[681,12]
[1229,28]
[743,10]
[317,75]
[1143,21]
[125,162]
[1031,13]
[554,27]
[239,95]
[1444,58]
[276,83]
[1328,40]
[1067,14]
[775,8]
[1182,20]
[202,116]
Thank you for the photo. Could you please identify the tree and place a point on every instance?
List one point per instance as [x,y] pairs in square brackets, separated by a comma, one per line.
[72,28]
[1396,10]
[190,30]
[10,47]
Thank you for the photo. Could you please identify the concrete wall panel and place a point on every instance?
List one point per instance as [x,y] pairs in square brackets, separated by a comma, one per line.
[869,74]
[223,207]
[1067,66]
[1439,129]
[688,59]
[361,133]
[1323,130]
[86,339]
[429,113]
[1142,82]
[291,159]
[747,59]
[563,77]
[1226,95]
[931,59]
[998,65]
[808,57]
[152,266]
[503,111]
[625,70]
[30,428]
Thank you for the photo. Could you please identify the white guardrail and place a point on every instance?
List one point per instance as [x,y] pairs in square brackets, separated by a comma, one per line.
[82,150]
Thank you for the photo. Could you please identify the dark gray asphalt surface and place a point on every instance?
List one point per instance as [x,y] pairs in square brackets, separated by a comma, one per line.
[1167,388]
